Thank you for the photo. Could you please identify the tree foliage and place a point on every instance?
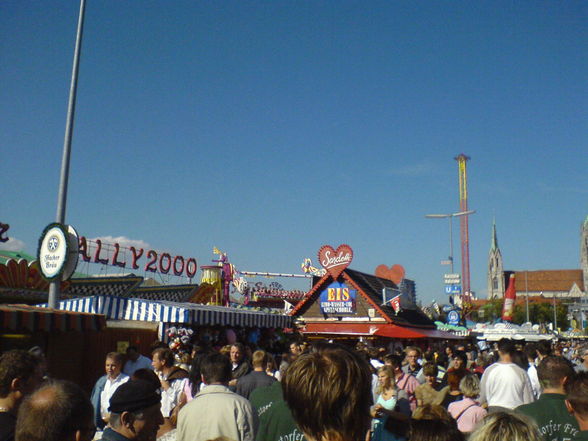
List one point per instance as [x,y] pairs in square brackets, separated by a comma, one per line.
[538,313]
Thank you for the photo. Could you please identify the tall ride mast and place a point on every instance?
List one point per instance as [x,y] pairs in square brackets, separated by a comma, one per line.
[463,223]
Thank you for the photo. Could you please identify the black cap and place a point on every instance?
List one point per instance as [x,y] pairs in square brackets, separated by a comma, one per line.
[134,395]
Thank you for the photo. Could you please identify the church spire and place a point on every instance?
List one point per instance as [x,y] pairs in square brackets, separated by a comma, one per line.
[494,244]
[495,268]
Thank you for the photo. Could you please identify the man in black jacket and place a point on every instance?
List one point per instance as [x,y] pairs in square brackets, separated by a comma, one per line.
[239,364]
[257,377]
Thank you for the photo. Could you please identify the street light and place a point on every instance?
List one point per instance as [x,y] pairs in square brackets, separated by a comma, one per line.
[54,286]
[450,216]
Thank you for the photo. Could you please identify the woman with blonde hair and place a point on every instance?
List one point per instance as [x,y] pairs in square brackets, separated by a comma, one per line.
[467,412]
[500,426]
[391,402]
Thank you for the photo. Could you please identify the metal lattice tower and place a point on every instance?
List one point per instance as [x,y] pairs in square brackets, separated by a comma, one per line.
[463,223]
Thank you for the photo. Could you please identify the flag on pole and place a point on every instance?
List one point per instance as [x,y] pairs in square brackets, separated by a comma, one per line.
[509,299]
[395,303]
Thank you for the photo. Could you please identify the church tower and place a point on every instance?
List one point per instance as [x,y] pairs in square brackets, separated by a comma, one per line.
[495,267]
[584,253]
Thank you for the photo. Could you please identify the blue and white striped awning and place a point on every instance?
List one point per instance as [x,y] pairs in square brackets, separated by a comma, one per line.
[120,308]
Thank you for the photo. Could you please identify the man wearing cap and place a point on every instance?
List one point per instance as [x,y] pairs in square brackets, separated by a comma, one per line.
[216,411]
[135,413]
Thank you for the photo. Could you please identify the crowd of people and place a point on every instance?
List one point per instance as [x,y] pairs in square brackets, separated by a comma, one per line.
[315,392]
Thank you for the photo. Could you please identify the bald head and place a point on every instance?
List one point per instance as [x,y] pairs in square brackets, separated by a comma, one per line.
[59,410]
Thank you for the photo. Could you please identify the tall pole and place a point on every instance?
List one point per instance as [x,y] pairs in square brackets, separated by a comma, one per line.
[451,241]
[582,312]
[71,108]
[450,216]
[464,228]
[527,294]
[554,314]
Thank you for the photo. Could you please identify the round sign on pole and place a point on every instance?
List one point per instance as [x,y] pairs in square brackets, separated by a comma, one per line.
[73,254]
[453,317]
[53,251]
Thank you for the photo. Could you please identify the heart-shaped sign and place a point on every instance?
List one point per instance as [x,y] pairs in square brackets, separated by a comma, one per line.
[335,261]
[395,273]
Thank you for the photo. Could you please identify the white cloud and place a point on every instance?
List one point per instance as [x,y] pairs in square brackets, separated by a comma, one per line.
[124,242]
[12,245]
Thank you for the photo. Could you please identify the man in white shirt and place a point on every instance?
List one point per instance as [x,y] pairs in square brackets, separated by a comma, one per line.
[135,361]
[105,387]
[505,385]
[173,379]
[530,351]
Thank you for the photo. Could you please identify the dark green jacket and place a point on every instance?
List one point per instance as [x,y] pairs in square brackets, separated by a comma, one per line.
[554,421]
[275,419]
[582,436]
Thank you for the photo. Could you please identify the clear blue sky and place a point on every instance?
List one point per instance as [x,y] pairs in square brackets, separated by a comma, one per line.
[270,128]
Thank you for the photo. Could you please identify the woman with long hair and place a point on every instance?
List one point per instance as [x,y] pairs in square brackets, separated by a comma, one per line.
[391,403]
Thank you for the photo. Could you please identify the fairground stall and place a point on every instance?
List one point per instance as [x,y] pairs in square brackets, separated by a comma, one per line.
[525,332]
[136,311]
[346,304]
[68,339]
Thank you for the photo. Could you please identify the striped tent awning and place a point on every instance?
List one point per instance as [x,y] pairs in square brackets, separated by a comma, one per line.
[119,308]
[26,318]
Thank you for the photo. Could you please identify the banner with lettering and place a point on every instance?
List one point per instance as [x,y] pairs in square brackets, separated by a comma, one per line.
[338,299]
[335,261]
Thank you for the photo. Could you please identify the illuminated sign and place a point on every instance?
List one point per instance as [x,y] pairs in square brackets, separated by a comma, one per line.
[156,262]
[58,252]
[453,317]
[335,261]
[338,299]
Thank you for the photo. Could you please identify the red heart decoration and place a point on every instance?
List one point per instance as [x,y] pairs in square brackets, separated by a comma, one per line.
[395,273]
[335,261]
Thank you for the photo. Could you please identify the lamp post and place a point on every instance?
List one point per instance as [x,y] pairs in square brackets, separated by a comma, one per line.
[527,294]
[450,216]
[554,314]
[53,298]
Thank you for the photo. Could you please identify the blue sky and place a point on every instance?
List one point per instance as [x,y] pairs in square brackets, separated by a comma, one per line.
[268,129]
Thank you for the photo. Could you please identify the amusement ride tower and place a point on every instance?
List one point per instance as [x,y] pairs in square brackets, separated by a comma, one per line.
[463,223]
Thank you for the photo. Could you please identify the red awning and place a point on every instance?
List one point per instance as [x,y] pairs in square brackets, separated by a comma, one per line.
[362,330]
[23,318]
[394,331]
[340,328]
